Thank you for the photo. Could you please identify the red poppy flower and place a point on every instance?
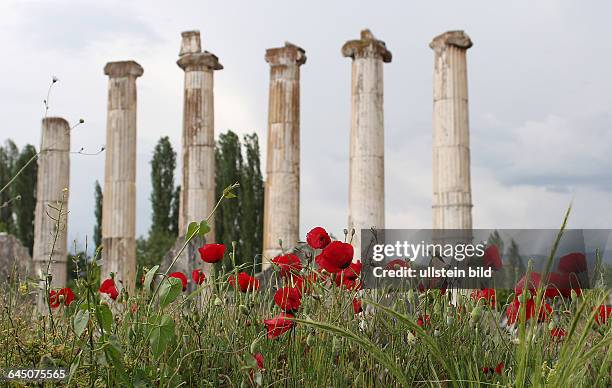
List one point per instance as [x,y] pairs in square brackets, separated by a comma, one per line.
[357,306]
[558,284]
[572,263]
[198,276]
[212,253]
[557,333]
[288,264]
[499,368]
[288,299]
[108,287]
[318,238]
[278,325]
[259,359]
[532,283]
[562,284]
[64,295]
[397,264]
[246,282]
[603,315]
[335,257]
[513,310]
[491,257]
[349,277]
[181,276]
[423,320]
[488,294]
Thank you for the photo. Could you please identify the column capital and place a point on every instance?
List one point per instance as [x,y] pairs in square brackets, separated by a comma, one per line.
[199,60]
[451,38]
[289,54]
[191,56]
[123,69]
[366,46]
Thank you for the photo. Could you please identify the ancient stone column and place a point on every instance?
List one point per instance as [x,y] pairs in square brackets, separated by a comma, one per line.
[119,204]
[198,186]
[367,137]
[282,187]
[452,194]
[51,214]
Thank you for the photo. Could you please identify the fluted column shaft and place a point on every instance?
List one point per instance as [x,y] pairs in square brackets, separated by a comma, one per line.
[282,187]
[119,204]
[198,185]
[452,194]
[50,243]
[367,135]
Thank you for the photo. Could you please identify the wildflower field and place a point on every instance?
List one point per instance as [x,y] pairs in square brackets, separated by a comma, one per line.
[312,326]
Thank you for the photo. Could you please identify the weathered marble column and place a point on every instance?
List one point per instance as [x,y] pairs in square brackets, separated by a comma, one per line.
[51,197]
[282,187]
[367,138]
[119,204]
[452,194]
[198,186]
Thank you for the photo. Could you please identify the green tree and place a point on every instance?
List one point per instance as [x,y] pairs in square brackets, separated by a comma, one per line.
[252,202]
[164,207]
[97,234]
[8,156]
[174,214]
[163,165]
[24,187]
[228,160]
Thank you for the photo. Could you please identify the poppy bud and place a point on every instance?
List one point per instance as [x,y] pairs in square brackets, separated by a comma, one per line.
[410,338]
[243,309]
[254,345]
[310,339]
[476,315]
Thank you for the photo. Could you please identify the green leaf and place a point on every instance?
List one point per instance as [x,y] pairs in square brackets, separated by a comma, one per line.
[192,229]
[204,228]
[169,290]
[114,354]
[74,367]
[161,334]
[106,316]
[81,318]
[149,278]
[229,194]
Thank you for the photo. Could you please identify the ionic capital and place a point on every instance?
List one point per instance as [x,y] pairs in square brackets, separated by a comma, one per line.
[289,54]
[123,69]
[367,46]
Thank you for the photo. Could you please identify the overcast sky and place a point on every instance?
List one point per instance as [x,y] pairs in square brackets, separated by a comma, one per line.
[540,94]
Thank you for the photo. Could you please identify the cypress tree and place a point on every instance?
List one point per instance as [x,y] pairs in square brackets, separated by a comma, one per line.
[228,159]
[24,187]
[162,180]
[252,201]
[97,235]
[151,250]
[8,156]
[174,214]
